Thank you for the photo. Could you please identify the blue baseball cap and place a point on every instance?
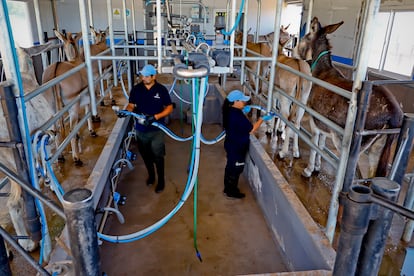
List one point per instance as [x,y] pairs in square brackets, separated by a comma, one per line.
[237,95]
[148,70]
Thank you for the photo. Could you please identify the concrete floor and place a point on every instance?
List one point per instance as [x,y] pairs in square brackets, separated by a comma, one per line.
[232,235]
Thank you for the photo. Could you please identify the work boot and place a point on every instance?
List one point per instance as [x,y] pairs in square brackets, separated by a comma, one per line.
[160,173]
[237,195]
[230,186]
[151,172]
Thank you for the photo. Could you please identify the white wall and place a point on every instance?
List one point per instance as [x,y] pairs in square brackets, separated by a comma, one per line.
[333,11]
[328,11]
[21,23]
[68,14]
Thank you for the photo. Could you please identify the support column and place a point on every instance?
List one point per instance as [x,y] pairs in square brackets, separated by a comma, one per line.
[373,245]
[80,218]
[354,224]
[4,259]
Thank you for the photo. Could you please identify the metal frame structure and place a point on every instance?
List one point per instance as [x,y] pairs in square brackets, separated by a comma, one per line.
[369,13]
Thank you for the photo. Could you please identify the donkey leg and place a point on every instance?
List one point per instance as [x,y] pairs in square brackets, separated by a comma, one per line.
[296,152]
[92,131]
[299,115]
[74,117]
[285,148]
[307,172]
[318,161]
[284,111]
[16,211]
[274,135]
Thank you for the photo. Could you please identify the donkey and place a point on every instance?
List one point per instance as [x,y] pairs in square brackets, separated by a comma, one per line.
[69,88]
[99,46]
[294,86]
[38,111]
[384,110]
[260,48]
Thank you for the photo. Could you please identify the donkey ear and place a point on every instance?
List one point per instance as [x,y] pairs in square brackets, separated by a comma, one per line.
[283,28]
[77,36]
[315,25]
[93,32]
[60,36]
[333,27]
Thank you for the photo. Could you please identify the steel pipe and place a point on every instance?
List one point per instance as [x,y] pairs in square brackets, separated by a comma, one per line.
[4,259]
[81,225]
[354,224]
[373,245]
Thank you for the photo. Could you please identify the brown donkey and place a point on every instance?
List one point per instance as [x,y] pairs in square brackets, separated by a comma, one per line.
[69,88]
[295,86]
[383,112]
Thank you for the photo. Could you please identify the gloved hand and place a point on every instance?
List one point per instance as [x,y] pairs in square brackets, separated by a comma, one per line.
[149,119]
[246,109]
[122,113]
[267,117]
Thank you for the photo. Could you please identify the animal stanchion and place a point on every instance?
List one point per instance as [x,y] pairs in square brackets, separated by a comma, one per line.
[68,89]
[383,112]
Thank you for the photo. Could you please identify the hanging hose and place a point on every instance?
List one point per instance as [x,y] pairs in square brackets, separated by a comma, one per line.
[56,187]
[195,223]
[197,102]
[237,20]
[121,70]
[195,158]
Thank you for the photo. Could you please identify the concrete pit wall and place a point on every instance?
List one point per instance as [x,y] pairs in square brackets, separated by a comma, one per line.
[303,244]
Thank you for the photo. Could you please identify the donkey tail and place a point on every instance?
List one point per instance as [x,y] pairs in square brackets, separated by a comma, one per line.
[385,156]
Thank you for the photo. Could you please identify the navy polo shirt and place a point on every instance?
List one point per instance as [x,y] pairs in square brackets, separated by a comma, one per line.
[149,102]
[237,132]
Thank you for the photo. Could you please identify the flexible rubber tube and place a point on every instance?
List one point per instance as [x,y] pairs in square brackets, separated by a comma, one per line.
[189,187]
[237,20]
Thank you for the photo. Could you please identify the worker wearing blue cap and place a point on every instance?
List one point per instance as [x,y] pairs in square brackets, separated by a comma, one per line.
[153,100]
[238,129]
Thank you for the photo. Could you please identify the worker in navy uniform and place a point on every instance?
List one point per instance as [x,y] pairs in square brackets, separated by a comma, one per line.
[151,99]
[238,129]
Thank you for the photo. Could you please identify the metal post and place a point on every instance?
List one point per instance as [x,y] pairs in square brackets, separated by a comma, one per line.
[10,108]
[4,259]
[409,203]
[362,103]
[80,218]
[354,224]
[406,134]
[375,239]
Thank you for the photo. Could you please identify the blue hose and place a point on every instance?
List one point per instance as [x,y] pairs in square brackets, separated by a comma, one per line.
[237,20]
[192,177]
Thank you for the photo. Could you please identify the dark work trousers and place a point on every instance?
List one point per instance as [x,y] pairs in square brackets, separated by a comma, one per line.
[152,149]
[234,167]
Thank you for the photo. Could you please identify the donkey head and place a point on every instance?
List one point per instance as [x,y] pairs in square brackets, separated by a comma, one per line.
[315,41]
[26,66]
[70,44]
[99,36]
[284,36]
